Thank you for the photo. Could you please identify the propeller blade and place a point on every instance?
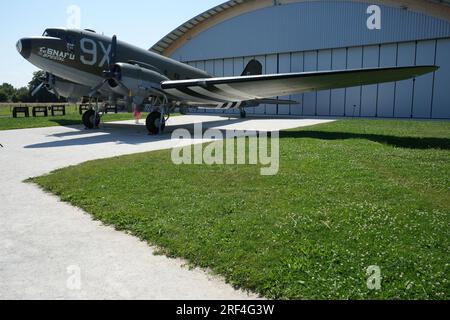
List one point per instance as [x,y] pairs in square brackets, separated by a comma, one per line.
[51,79]
[37,89]
[121,85]
[56,92]
[113,60]
[98,87]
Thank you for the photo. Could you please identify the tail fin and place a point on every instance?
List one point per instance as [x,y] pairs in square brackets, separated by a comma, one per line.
[253,68]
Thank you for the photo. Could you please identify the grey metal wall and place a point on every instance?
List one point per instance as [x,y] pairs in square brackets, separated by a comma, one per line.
[323,35]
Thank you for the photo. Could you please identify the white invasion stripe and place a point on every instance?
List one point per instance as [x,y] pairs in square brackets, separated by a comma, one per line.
[227,88]
[229,105]
[185,97]
[211,94]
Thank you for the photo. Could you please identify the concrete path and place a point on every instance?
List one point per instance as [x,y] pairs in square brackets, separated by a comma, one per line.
[51,250]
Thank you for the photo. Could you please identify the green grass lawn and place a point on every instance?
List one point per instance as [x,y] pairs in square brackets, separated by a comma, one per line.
[72,118]
[349,195]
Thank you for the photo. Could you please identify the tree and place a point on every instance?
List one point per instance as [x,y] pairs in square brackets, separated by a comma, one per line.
[3,96]
[23,95]
[9,93]
[8,90]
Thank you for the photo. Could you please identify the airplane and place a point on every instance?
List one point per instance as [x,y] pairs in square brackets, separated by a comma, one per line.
[84,64]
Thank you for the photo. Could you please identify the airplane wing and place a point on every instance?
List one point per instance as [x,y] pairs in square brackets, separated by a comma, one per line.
[261,87]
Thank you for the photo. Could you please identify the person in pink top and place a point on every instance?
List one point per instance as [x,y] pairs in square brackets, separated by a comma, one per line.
[136,113]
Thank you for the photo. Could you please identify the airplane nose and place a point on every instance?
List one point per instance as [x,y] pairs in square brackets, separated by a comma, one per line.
[19,46]
[24,47]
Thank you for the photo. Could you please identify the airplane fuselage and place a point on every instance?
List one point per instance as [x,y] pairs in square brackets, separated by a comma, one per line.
[103,67]
[82,56]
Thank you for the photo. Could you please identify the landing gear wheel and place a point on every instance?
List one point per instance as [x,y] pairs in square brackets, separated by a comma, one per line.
[91,120]
[243,114]
[153,121]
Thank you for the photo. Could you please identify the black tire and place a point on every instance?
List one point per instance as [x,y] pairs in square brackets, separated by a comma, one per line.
[152,123]
[89,121]
[243,114]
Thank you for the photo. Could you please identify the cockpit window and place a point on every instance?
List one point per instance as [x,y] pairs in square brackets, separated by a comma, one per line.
[63,35]
[52,33]
[56,33]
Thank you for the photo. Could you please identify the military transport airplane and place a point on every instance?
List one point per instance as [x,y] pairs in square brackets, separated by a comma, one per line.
[83,64]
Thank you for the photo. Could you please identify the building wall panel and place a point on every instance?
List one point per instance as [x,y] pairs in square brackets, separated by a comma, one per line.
[310,98]
[262,108]
[324,96]
[441,101]
[369,94]
[297,65]
[353,95]
[386,91]
[201,65]
[246,61]
[404,90]
[284,66]
[271,68]
[339,62]
[423,86]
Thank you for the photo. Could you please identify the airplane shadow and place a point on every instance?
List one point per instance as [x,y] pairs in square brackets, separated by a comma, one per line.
[66,123]
[120,133]
[395,141]
[131,134]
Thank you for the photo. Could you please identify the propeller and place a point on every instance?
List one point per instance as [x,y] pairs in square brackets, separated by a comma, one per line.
[37,89]
[111,73]
[48,82]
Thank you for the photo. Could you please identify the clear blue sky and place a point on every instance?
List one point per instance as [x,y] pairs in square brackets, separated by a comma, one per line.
[140,22]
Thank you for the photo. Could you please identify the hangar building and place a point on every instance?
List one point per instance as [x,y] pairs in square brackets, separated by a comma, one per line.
[310,35]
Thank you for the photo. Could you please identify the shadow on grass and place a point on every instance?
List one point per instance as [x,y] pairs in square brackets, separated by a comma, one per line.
[395,141]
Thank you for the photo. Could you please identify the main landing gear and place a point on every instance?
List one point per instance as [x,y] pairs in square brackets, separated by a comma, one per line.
[158,117]
[243,114]
[91,118]
[156,123]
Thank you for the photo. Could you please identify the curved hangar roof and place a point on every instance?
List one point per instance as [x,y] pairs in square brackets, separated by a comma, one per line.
[233,8]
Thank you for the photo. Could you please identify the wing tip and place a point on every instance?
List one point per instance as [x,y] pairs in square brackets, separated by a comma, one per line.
[421,70]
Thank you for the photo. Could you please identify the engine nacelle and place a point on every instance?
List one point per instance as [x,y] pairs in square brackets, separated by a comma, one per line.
[139,81]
